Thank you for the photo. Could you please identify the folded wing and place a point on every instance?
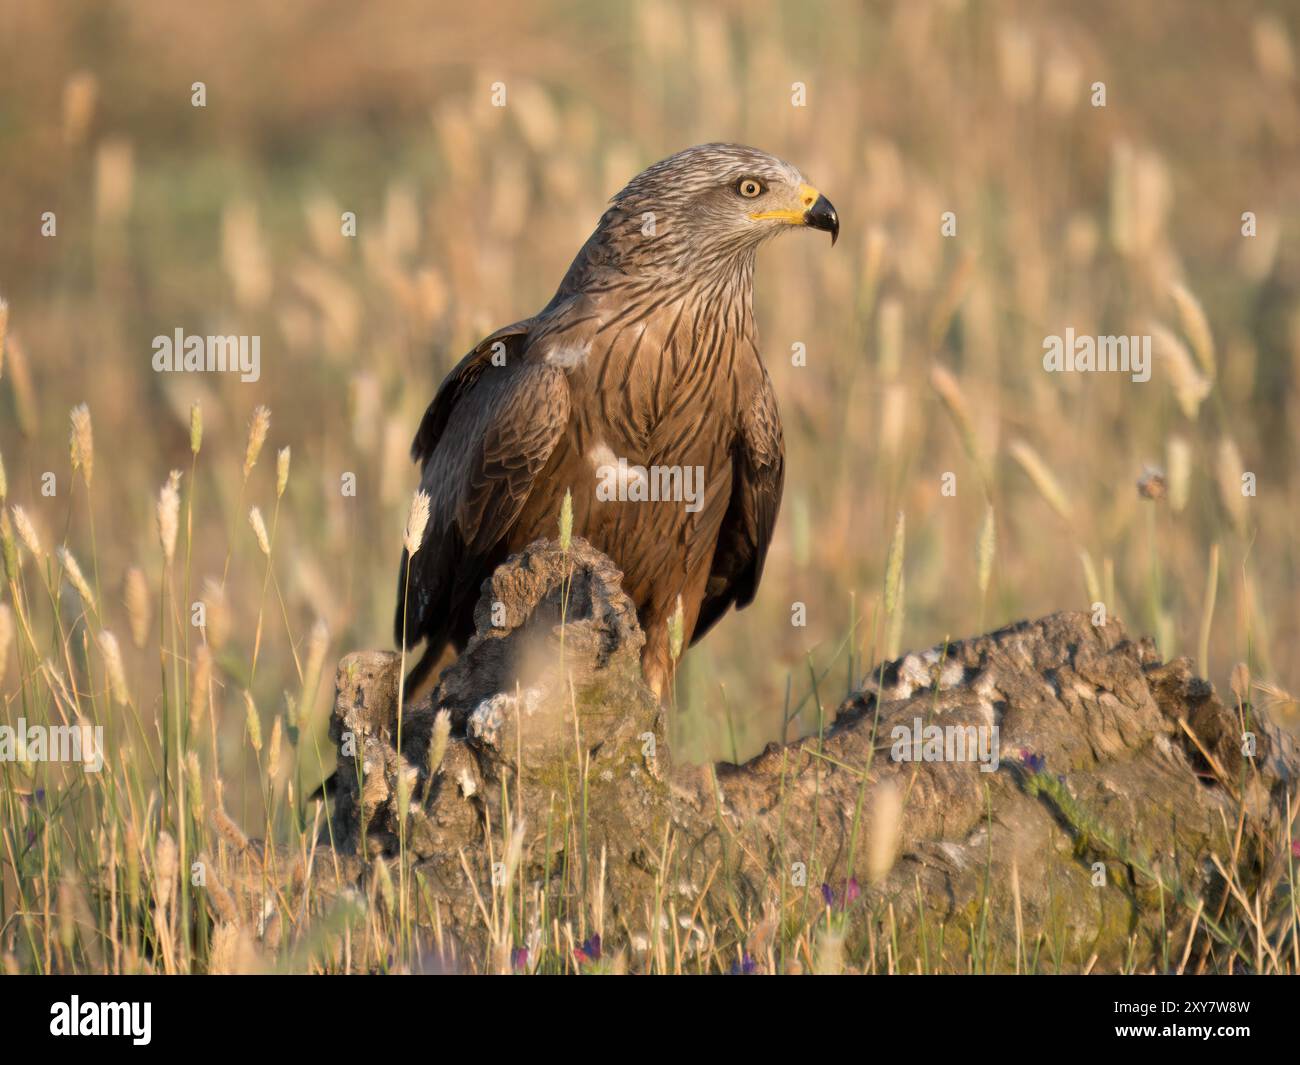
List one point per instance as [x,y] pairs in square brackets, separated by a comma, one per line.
[484,439]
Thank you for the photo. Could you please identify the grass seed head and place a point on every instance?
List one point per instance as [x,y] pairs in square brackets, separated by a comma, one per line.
[886,824]
[82,443]
[317,647]
[954,401]
[194,786]
[1230,471]
[566,521]
[223,903]
[200,686]
[259,530]
[252,722]
[281,471]
[273,751]
[258,427]
[27,532]
[1196,327]
[116,671]
[6,637]
[417,519]
[216,609]
[76,578]
[1043,479]
[438,742]
[228,830]
[138,605]
[1190,386]
[1179,472]
[164,869]
[169,506]
[80,93]
[8,546]
[894,565]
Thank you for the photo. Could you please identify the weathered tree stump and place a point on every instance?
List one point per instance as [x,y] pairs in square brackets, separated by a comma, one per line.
[1118,778]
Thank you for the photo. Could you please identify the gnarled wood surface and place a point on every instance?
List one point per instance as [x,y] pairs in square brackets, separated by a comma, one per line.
[1120,779]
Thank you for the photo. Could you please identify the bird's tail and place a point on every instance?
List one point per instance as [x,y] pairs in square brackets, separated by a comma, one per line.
[422,669]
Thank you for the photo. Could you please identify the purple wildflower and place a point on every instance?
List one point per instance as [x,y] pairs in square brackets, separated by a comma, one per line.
[589,951]
[747,966]
[851,894]
[1033,762]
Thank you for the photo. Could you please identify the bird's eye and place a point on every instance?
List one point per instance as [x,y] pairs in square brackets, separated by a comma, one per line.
[750,187]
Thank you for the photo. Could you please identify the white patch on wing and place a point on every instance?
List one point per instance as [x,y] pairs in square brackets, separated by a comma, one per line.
[600,455]
[614,477]
[567,355]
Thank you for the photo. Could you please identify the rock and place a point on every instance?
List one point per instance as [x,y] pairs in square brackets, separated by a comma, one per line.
[1077,774]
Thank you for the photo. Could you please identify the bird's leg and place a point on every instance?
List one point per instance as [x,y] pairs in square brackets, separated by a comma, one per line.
[654,668]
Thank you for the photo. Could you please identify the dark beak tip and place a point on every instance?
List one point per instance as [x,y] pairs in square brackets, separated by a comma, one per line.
[822,215]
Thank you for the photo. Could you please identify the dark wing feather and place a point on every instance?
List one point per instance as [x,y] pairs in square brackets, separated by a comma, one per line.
[461,380]
[489,434]
[758,475]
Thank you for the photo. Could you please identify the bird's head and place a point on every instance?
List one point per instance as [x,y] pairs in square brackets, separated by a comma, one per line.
[718,201]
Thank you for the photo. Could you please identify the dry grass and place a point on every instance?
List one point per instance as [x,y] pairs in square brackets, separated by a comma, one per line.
[923,359]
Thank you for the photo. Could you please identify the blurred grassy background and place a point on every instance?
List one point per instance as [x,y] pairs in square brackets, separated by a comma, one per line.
[923,352]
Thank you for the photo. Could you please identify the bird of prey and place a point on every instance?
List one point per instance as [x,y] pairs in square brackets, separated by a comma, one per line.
[638,388]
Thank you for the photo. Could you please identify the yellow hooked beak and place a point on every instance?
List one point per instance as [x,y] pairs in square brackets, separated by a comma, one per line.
[814,210]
